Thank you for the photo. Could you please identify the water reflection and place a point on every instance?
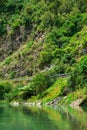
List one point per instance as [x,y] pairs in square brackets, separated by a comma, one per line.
[45,118]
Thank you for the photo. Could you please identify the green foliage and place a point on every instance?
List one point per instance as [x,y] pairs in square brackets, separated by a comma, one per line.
[82,5]
[55,90]
[82,66]
[51,36]
[73,96]
[2,5]
[14,93]
[7,61]
[13,5]
[29,44]
[5,88]
[66,6]
[79,76]
[39,83]
[12,74]
[16,24]
[26,92]
[45,58]
[2,27]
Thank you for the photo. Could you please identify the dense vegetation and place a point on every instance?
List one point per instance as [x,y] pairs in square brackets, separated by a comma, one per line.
[42,39]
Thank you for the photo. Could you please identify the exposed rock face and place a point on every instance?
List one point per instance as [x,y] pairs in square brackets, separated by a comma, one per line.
[54,101]
[84,103]
[77,102]
[14,103]
[11,42]
[38,103]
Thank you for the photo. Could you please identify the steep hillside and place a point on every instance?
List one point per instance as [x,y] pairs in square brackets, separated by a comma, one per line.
[45,40]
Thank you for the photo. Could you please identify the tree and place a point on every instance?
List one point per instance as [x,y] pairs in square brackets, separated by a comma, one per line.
[82,5]
[2,5]
[39,83]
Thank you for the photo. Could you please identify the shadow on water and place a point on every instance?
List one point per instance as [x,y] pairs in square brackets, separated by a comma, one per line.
[44,118]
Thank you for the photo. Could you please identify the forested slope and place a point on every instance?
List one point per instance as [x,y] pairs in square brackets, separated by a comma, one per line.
[43,39]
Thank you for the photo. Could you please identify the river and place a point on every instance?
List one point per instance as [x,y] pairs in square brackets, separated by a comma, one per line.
[42,118]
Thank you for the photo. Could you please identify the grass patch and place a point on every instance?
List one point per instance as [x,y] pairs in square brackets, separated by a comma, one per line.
[55,90]
[80,93]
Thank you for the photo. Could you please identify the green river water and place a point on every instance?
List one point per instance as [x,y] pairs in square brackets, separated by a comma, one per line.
[43,118]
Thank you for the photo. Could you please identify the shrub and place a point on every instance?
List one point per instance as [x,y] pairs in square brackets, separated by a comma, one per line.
[39,83]
[45,58]
[7,60]
[12,74]
[78,78]
[11,5]
[5,88]
[29,44]
[2,27]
